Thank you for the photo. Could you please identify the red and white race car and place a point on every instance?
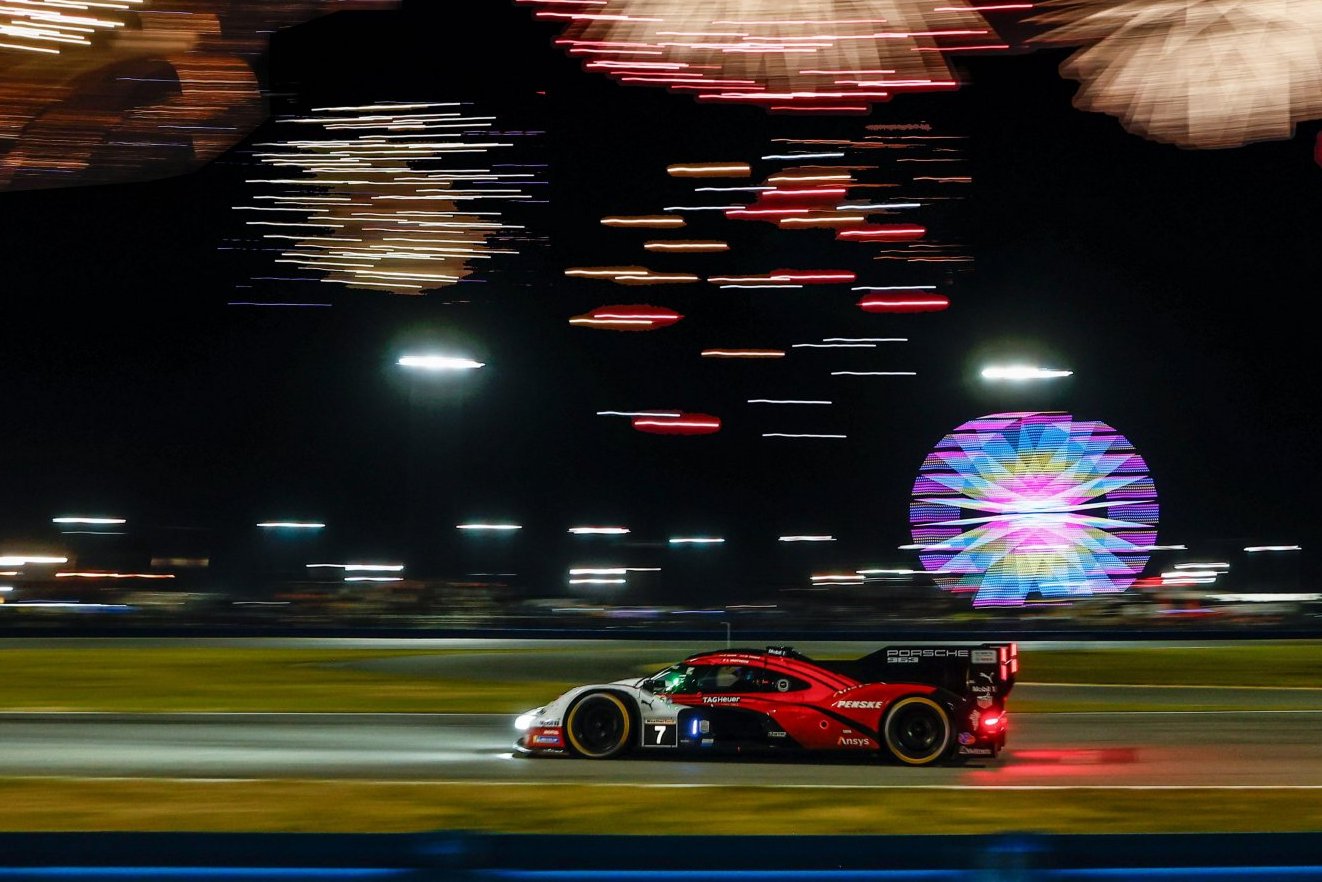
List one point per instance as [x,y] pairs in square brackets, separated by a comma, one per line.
[919,704]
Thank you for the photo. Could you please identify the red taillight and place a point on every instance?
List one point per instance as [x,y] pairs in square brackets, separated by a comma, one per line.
[992,721]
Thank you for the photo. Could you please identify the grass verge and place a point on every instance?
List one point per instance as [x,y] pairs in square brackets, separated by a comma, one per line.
[237,679]
[146,805]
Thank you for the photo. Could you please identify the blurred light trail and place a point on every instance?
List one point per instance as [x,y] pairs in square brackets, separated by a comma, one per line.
[866,339]
[357,567]
[113,91]
[1255,548]
[798,435]
[83,520]
[599,531]
[1210,565]
[837,577]
[833,346]
[291,525]
[439,363]
[903,302]
[886,572]
[743,353]
[648,221]
[1195,73]
[1265,597]
[49,25]
[874,373]
[500,527]
[630,275]
[698,246]
[1023,372]
[384,197]
[631,317]
[113,576]
[373,579]
[819,56]
[1161,548]
[597,571]
[672,414]
[590,580]
[696,540]
[19,560]
[684,424]
[786,401]
[710,170]
[1210,575]
[806,538]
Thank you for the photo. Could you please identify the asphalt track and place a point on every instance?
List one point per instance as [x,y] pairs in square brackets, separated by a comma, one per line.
[1270,740]
[1256,748]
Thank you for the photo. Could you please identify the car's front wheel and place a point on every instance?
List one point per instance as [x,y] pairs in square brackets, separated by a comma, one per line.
[599,726]
[917,731]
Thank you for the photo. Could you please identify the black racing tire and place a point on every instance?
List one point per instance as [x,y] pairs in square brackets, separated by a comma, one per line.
[917,731]
[599,726]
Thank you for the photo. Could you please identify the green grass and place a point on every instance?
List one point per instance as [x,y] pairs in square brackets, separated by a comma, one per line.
[197,679]
[33,804]
[1276,664]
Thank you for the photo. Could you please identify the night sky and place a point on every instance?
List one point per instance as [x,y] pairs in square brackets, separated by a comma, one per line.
[1176,284]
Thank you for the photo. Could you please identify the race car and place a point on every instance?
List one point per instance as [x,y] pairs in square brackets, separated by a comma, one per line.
[920,704]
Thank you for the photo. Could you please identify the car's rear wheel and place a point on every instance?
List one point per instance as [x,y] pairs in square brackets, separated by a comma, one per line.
[599,726]
[917,731]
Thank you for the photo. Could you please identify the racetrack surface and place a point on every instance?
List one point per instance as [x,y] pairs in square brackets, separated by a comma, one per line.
[1265,747]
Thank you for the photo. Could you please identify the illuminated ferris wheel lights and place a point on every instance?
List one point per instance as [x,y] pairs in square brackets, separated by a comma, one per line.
[1019,372]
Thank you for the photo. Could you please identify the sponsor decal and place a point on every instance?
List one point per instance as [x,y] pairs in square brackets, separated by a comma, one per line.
[966,738]
[776,733]
[984,657]
[853,742]
[903,655]
[548,723]
[782,685]
[975,751]
[720,699]
[547,739]
[863,704]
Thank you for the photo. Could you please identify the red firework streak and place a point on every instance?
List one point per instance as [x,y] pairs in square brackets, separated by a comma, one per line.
[631,317]
[683,424]
[904,301]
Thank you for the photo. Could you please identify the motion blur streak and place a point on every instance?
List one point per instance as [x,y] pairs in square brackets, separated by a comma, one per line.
[1195,73]
[835,56]
[125,90]
[371,196]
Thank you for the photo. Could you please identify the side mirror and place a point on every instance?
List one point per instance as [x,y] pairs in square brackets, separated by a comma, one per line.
[646,686]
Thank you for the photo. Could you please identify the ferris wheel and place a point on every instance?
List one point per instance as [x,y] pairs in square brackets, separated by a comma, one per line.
[1015,507]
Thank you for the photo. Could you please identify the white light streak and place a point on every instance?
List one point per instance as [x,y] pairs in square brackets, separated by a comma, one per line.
[874,373]
[696,540]
[798,435]
[19,560]
[599,531]
[84,520]
[787,401]
[806,538]
[291,525]
[500,527]
[1023,372]
[439,363]
[1256,548]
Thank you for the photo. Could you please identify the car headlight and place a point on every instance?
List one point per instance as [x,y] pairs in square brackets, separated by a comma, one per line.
[524,721]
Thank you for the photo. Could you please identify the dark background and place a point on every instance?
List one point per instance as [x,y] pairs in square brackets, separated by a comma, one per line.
[1178,285]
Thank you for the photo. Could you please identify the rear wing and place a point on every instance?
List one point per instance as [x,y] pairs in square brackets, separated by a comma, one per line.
[987,670]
